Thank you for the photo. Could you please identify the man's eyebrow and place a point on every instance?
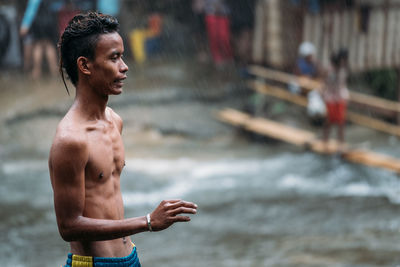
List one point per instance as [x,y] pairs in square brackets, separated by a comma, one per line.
[116,53]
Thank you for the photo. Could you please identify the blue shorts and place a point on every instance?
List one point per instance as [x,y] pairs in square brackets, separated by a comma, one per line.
[131,260]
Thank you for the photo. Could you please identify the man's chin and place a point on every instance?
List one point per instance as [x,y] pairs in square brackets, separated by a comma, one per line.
[117,91]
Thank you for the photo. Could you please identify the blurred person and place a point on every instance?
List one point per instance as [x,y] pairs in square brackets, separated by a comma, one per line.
[39,23]
[199,29]
[65,14]
[243,50]
[87,154]
[336,95]
[27,43]
[218,31]
[242,24]
[146,42]
[306,64]
[153,38]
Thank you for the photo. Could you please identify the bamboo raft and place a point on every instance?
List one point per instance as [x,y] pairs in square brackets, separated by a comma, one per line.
[382,106]
[300,100]
[306,139]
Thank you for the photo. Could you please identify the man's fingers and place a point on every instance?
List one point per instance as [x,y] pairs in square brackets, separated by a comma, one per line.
[170,201]
[182,203]
[183,210]
[181,219]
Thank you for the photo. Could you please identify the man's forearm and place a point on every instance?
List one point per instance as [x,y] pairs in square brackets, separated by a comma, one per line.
[88,229]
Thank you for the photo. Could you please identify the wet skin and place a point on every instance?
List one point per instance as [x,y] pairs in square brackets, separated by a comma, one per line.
[87,158]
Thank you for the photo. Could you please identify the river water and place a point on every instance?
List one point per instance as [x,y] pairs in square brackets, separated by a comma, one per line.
[260,203]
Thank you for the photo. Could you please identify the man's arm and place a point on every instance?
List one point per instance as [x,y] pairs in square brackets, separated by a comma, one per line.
[68,158]
[165,214]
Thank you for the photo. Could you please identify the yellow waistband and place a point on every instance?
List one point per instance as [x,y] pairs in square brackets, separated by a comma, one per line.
[82,261]
[85,261]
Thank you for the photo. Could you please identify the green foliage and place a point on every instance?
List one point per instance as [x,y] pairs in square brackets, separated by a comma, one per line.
[383,83]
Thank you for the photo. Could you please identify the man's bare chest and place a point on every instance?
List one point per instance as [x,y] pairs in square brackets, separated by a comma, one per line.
[106,154]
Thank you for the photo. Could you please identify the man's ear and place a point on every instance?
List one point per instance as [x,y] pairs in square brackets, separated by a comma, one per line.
[84,65]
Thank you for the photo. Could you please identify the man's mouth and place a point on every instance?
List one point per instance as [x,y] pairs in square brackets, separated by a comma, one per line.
[120,81]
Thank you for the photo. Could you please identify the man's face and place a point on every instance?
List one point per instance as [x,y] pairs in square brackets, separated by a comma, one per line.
[109,69]
[310,58]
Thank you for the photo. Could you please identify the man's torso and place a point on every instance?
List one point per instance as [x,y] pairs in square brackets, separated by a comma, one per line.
[103,199]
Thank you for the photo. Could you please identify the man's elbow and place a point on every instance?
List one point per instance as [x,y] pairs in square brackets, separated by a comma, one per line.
[66,235]
[67,232]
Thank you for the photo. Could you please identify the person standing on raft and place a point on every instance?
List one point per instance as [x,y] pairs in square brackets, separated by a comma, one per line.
[336,95]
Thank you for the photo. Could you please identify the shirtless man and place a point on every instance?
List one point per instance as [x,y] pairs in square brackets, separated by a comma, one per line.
[87,155]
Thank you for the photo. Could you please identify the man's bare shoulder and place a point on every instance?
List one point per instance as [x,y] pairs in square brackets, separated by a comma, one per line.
[70,138]
[116,118]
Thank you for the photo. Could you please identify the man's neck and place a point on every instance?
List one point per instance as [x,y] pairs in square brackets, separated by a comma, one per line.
[90,103]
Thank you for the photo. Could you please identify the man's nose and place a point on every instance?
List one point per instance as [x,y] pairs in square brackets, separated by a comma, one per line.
[124,68]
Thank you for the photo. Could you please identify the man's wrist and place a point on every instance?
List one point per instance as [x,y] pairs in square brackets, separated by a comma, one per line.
[148,220]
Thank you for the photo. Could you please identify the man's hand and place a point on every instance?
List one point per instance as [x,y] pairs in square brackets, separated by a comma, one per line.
[167,213]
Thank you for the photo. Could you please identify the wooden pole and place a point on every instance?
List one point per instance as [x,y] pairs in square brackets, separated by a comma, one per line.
[398,93]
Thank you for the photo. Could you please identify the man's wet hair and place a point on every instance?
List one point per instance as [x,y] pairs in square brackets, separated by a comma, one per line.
[80,39]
